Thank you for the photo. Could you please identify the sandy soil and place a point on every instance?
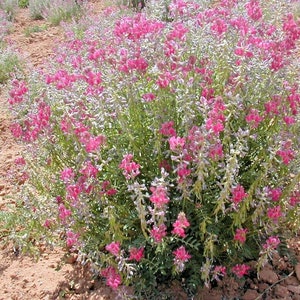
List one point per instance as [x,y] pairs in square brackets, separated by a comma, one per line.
[56,276]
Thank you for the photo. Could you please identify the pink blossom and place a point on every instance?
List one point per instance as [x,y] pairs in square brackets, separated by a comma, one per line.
[72,238]
[158,232]
[180,225]
[63,212]
[254,10]
[253,118]
[67,174]
[183,172]
[240,270]
[295,198]
[275,194]
[167,129]
[113,279]
[159,196]
[136,253]
[240,235]
[92,78]
[289,120]
[291,27]
[93,143]
[218,271]
[272,242]
[130,168]
[16,130]
[274,213]
[176,143]
[89,170]
[219,26]
[73,191]
[149,97]
[181,254]
[18,92]
[287,155]
[20,161]
[216,151]
[238,194]
[178,32]
[113,248]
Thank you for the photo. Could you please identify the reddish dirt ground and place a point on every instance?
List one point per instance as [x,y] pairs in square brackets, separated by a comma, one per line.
[53,277]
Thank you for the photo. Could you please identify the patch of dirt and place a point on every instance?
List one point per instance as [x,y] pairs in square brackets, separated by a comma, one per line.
[55,276]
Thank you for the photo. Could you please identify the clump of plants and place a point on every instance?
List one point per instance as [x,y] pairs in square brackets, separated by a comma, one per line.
[56,11]
[9,7]
[164,144]
[10,63]
[5,25]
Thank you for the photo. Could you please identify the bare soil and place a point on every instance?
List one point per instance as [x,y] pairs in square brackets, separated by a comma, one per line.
[57,276]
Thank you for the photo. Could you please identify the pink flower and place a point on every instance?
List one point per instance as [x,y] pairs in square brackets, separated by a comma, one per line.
[113,279]
[218,271]
[16,130]
[158,233]
[275,194]
[274,213]
[89,170]
[149,97]
[240,235]
[93,143]
[287,155]
[67,174]
[159,196]
[168,129]
[216,151]
[73,192]
[181,254]
[113,248]
[272,242]
[136,253]
[238,194]
[253,118]
[176,143]
[219,26]
[72,238]
[130,168]
[295,198]
[180,224]
[254,10]
[240,270]
[183,172]
[63,213]
[17,93]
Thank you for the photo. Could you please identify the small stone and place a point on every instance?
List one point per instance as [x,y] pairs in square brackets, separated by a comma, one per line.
[262,287]
[250,295]
[297,271]
[281,291]
[267,275]
[292,280]
[294,289]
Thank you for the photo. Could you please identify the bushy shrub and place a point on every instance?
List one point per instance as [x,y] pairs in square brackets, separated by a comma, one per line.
[10,63]
[37,8]
[5,25]
[23,3]
[10,7]
[164,145]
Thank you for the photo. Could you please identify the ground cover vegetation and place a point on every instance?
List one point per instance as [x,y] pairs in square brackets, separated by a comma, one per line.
[164,144]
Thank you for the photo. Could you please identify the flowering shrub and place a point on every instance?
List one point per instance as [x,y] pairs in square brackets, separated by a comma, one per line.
[9,7]
[5,25]
[164,144]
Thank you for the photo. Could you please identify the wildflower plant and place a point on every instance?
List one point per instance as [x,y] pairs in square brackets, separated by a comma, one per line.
[166,146]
